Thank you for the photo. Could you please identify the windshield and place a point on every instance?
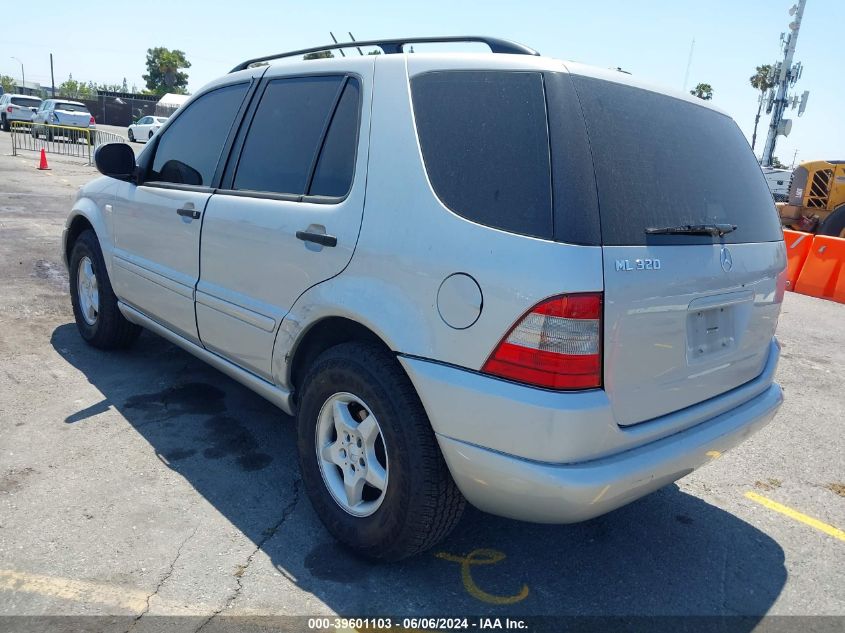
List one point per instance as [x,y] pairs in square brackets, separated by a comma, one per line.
[661,161]
[71,107]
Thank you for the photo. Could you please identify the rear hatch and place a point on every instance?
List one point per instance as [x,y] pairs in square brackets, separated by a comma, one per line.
[72,115]
[687,316]
[22,108]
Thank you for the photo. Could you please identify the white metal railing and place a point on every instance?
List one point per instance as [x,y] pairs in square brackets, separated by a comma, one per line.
[60,139]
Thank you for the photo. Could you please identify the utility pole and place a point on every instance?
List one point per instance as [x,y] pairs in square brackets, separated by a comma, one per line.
[786,75]
[52,80]
[689,63]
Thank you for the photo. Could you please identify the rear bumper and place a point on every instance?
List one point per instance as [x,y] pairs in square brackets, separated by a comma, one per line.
[554,457]
[546,493]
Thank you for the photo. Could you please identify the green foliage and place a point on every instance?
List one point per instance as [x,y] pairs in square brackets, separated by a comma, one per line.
[73,89]
[376,51]
[163,74]
[318,55]
[8,83]
[702,91]
[760,79]
[776,163]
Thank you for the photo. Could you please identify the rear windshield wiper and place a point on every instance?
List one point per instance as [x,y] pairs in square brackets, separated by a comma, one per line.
[693,229]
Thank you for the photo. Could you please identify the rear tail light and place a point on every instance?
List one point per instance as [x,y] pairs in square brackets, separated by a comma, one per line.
[9,109]
[556,345]
[92,121]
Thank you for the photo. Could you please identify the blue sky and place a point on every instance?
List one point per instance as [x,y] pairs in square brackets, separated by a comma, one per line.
[650,38]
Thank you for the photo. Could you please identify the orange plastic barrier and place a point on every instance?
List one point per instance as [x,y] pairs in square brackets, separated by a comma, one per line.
[797,248]
[823,274]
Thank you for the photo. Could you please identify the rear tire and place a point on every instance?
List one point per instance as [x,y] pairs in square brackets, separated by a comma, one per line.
[92,138]
[419,503]
[7,127]
[150,136]
[834,224]
[95,310]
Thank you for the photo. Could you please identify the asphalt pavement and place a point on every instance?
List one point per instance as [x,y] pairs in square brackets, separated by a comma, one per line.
[145,483]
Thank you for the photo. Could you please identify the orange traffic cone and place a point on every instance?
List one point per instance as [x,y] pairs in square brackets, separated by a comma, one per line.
[43,163]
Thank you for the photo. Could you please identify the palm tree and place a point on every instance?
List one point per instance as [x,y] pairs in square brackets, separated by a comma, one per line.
[702,91]
[761,81]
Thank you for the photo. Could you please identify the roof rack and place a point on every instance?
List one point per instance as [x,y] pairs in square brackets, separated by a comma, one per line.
[392,46]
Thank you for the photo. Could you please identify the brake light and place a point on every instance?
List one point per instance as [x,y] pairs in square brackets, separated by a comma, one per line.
[9,109]
[92,121]
[557,345]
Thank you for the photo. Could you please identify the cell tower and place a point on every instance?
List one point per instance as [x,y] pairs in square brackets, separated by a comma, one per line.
[785,75]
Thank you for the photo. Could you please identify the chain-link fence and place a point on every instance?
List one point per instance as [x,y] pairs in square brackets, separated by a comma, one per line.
[60,139]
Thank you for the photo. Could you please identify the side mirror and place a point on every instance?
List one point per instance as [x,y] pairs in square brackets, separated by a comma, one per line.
[116,160]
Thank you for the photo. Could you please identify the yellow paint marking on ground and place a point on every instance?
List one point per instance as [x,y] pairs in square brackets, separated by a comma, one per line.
[794,514]
[482,557]
[74,590]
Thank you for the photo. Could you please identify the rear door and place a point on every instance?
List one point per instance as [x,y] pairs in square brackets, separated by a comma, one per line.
[289,209]
[687,317]
[157,223]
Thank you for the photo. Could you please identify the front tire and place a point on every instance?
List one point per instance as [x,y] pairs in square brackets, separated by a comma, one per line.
[94,304]
[370,462]
[131,136]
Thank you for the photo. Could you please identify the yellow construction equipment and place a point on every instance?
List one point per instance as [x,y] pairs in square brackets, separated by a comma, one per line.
[816,198]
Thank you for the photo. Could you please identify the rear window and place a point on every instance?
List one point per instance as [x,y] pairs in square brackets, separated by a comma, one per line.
[662,162]
[71,107]
[26,103]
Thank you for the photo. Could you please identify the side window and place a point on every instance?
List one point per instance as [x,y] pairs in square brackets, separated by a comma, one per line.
[336,165]
[485,143]
[284,136]
[189,151]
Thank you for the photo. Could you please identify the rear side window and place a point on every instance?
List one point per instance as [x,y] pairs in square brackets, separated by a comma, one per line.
[664,162]
[336,165]
[485,142]
[189,150]
[294,119]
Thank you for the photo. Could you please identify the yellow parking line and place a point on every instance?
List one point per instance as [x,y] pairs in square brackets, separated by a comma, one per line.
[73,590]
[798,516]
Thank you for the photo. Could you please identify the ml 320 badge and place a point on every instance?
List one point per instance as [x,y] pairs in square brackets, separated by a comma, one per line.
[637,264]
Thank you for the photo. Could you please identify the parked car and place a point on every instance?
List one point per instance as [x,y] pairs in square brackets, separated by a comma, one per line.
[64,114]
[15,107]
[144,128]
[536,286]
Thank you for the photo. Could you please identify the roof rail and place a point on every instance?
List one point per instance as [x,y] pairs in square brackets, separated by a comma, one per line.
[396,46]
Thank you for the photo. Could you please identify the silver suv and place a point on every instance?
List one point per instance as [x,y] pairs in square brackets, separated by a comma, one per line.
[17,108]
[536,286]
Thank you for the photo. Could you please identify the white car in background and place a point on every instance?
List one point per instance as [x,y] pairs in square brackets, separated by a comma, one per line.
[144,128]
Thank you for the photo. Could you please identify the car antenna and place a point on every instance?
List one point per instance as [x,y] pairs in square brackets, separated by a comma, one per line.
[352,37]
[334,39]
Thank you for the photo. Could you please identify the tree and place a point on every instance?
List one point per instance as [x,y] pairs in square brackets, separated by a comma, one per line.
[8,83]
[163,73]
[761,81]
[703,91]
[73,89]
[777,164]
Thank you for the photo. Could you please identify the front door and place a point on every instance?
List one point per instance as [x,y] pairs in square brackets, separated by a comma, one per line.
[289,209]
[157,224]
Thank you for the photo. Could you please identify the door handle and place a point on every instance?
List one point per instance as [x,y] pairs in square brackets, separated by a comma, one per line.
[318,238]
[189,213]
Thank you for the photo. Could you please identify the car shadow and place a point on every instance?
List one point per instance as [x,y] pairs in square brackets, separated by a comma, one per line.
[669,553]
